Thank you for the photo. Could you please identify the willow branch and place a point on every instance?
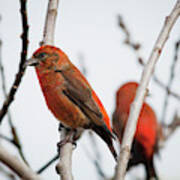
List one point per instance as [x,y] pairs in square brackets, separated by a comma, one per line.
[141,92]
[21,71]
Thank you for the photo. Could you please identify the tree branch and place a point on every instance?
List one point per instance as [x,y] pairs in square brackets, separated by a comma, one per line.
[44,167]
[171,128]
[21,71]
[16,140]
[136,48]
[172,75]
[64,166]
[49,28]
[19,167]
[141,92]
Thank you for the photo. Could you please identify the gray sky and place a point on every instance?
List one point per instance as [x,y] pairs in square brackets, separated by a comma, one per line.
[90,28]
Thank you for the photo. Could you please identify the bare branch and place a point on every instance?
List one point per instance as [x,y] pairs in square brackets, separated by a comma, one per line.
[64,166]
[172,74]
[44,167]
[141,92]
[161,84]
[49,28]
[128,41]
[16,140]
[19,167]
[171,128]
[97,159]
[136,48]
[21,71]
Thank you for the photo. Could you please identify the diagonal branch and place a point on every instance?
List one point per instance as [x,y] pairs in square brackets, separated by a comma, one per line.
[44,167]
[161,84]
[136,47]
[141,92]
[171,128]
[19,75]
[172,75]
[16,140]
[16,165]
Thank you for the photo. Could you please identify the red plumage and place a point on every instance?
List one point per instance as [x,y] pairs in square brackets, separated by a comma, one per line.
[147,132]
[68,94]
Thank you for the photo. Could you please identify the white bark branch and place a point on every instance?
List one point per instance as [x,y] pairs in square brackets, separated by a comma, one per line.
[141,92]
[17,166]
[49,28]
[64,166]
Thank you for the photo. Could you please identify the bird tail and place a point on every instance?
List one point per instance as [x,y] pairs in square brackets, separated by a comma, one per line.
[107,136]
[150,170]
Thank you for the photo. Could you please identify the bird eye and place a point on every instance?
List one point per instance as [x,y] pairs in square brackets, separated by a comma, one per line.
[41,55]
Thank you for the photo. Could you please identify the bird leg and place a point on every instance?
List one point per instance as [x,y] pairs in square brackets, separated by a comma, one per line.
[69,138]
[61,126]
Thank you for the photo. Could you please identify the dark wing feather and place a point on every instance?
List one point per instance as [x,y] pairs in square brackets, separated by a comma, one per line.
[80,94]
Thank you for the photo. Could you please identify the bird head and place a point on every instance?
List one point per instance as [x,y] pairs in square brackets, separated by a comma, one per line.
[46,56]
[126,93]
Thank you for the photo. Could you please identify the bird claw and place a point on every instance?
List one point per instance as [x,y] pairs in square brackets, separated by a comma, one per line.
[61,126]
[68,139]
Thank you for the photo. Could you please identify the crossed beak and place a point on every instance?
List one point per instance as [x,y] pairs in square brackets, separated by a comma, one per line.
[31,62]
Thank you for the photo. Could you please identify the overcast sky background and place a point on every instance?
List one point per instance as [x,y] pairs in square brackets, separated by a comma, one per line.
[88,28]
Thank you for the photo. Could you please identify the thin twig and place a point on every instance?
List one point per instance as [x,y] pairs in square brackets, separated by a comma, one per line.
[44,167]
[141,92]
[9,140]
[171,128]
[136,48]
[16,165]
[128,39]
[21,71]
[95,160]
[172,75]
[16,140]
[161,84]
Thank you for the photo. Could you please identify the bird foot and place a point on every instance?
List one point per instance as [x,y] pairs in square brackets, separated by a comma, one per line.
[69,138]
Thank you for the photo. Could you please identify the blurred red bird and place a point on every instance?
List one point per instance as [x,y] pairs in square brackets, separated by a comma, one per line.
[68,94]
[147,133]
